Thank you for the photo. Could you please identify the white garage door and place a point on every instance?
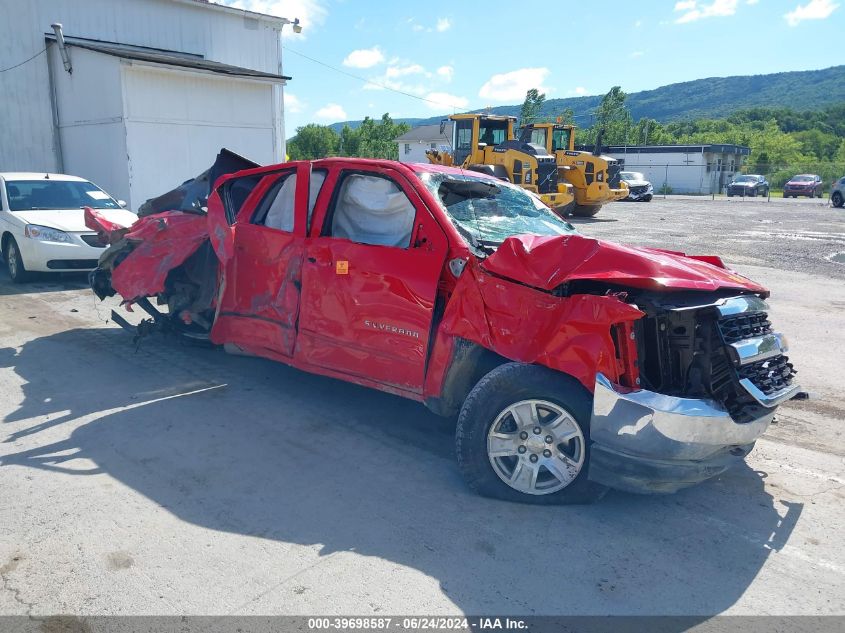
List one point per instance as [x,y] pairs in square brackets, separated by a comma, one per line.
[177,121]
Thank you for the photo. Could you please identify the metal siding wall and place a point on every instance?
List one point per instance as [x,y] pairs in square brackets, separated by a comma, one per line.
[25,113]
[682,178]
[176,122]
[91,126]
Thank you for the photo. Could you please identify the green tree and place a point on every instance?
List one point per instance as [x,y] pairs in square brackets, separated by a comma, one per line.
[313,141]
[532,106]
[377,140]
[612,118]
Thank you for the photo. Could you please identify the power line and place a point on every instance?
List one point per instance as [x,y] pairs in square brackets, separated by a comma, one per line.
[373,83]
[43,50]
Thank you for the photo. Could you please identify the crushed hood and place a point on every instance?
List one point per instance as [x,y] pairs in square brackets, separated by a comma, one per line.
[547,262]
[73,220]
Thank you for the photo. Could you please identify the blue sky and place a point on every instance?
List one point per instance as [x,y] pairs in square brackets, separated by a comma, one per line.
[455,56]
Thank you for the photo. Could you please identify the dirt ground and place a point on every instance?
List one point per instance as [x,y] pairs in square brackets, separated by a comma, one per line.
[170,479]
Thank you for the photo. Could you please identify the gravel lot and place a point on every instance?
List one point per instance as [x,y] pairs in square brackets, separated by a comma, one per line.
[177,480]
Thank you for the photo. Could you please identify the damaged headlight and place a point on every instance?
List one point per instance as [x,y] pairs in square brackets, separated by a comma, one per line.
[46,234]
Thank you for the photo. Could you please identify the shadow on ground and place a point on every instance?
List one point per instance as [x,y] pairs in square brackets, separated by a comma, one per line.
[260,449]
[42,282]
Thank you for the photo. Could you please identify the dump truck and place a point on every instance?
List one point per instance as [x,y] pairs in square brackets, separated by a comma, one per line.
[594,177]
[572,364]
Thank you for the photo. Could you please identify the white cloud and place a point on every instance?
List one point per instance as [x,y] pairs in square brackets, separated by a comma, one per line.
[331,112]
[293,105]
[813,10]
[580,91]
[442,24]
[364,58]
[440,100]
[692,10]
[636,54]
[401,71]
[446,72]
[751,1]
[311,13]
[638,24]
[512,86]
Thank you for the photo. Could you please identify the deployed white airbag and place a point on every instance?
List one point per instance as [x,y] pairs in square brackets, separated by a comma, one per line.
[373,210]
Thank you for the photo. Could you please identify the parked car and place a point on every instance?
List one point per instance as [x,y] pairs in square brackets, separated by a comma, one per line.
[809,185]
[42,226]
[640,188]
[572,363]
[837,193]
[748,185]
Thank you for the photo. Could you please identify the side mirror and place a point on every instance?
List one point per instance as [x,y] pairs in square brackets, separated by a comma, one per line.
[482,145]
[122,203]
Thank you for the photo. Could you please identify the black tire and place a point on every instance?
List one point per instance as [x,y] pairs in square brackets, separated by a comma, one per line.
[14,262]
[504,386]
[585,211]
[837,200]
[646,198]
[753,193]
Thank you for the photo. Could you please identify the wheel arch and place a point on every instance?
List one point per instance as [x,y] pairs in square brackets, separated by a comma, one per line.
[468,363]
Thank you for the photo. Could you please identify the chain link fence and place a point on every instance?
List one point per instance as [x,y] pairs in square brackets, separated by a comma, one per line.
[703,179]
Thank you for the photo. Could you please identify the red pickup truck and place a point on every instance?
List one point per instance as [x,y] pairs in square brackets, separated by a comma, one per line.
[573,364]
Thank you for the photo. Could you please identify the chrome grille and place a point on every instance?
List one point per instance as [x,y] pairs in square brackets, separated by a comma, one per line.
[769,376]
[742,326]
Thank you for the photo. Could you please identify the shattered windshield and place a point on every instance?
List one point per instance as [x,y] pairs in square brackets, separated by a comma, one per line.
[486,212]
[27,195]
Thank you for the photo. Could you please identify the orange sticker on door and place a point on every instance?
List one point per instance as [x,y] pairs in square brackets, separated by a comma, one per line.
[342,267]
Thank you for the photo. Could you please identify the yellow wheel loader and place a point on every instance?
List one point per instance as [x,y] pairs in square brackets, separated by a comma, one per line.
[486,143]
[594,177]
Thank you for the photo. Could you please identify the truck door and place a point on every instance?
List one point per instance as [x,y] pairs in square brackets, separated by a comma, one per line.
[369,280]
[259,301]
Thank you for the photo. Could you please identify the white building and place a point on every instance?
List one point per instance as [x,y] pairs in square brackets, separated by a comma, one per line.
[692,169]
[414,143]
[151,91]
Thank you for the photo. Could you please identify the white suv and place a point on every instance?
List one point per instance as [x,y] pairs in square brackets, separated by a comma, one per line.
[42,222]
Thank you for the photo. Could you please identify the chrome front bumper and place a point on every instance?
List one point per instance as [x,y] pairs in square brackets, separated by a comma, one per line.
[648,442]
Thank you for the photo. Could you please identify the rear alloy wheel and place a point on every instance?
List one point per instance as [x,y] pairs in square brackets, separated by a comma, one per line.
[14,262]
[523,435]
[837,199]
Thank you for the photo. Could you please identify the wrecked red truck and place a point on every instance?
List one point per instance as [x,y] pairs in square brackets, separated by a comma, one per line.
[573,364]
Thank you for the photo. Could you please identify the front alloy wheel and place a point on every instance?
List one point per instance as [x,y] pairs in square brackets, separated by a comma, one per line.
[536,447]
[14,262]
[523,435]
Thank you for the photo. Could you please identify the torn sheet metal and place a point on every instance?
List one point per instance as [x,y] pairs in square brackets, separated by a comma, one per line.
[570,334]
[192,195]
[159,244]
[107,231]
[547,262]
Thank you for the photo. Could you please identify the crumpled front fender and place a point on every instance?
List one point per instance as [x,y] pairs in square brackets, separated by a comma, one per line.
[569,334]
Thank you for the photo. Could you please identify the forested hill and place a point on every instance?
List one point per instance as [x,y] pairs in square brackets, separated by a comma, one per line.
[711,98]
